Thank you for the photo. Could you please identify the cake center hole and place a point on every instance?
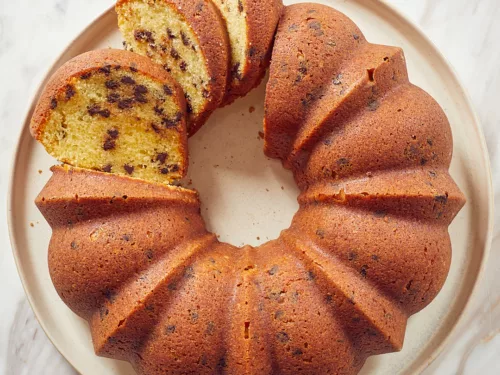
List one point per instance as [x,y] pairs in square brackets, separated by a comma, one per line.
[246,197]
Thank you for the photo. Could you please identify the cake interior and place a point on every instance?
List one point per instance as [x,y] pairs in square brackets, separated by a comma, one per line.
[117,120]
[156,29]
[234,14]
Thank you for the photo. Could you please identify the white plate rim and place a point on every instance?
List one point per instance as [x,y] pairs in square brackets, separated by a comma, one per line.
[388,8]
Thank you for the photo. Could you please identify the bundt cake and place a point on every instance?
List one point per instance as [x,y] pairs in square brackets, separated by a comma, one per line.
[189,39]
[251,25]
[368,247]
[114,111]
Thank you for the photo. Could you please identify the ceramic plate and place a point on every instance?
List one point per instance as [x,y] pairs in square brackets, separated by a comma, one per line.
[248,198]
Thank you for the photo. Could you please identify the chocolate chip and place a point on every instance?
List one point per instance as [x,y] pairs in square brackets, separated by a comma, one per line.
[252,51]
[194,316]
[210,328]
[240,6]
[125,103]
[143,36]
[112,84]
[164,171]
[273,270]
[74,245]
[355,36]
[168,123]
[133,68]
[443,199]
[109,295]
[93,109]
[352,256]
[158,110]
[183,66]
[375,257]
[222,362]
[141,89]
[129,168]
[140,98]
[297,352]
[185,39]
[189,107]
[162,157]
[363,270]
[86,75]
[113,133]
[170,34]
[235,71]
[373,105]
[167,90]
[109,144]
[106,69]
[282,337]
[128,80]
[174,168]
[70,92]
[105,113]
[53,103]
[175,54]
[189,272]
[155,127]
[199,7]
[343,162]
[311,275]
[107,168]
[170,329]
[113,97]
[315,25]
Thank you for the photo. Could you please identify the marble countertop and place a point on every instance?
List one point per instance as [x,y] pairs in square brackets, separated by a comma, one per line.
[33,33]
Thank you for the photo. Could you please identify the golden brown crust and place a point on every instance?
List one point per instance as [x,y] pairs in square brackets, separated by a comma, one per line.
[95,61]
[95,184]
[208,25]
[262,21]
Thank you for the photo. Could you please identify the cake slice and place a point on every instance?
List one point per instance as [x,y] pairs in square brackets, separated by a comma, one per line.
[251,25]
[117,112]
[189,39]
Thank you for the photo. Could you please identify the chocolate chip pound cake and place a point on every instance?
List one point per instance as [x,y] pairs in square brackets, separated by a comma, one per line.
[189,39]
[251,25]
[117,112]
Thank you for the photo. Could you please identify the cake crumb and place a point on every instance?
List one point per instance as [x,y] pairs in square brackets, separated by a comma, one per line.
[40,171]
[32,225]
[261,135]
[258,238]
[282,188]
[190,182]
[251,109]
[267,189]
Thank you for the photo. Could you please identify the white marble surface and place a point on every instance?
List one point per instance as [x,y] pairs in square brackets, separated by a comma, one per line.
[33,33]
